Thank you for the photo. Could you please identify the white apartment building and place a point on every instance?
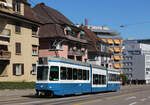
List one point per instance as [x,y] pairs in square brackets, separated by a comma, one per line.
[136,62]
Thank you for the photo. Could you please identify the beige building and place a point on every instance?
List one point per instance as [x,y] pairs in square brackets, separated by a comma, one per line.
[18,41]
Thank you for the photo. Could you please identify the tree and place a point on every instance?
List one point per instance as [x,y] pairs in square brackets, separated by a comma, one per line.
[124,78]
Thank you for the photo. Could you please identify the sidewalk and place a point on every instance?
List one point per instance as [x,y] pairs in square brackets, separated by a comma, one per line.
[16,92]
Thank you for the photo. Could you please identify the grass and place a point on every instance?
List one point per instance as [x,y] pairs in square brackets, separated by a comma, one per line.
[17,85]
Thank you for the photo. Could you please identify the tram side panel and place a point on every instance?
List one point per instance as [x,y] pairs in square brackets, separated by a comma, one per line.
[99,83]
[113,80]
[73,79]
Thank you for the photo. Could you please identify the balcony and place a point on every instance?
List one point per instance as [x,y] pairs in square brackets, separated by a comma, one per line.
[110,41]
[5,33]
[116,49]
[5,55]
[6,7]
[111,49]
[103,39]
[77,53]
[116,41]
[116,57]
[116,65]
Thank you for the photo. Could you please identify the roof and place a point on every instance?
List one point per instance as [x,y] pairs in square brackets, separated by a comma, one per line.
[93,39]
[29,13]
[50,15]
[54,23]
[28,17]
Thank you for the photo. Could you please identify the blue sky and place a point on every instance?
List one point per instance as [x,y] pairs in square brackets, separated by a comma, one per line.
[134,14]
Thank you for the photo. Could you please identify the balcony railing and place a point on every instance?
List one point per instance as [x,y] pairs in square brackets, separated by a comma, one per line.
[6,7]
[5,55]
[5,33]
[77,53]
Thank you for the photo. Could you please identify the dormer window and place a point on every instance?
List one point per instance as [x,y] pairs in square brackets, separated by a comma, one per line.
[16,6]
[82,34]
[68,30]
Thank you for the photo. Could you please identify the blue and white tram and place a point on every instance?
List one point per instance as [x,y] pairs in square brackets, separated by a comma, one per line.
[59,76]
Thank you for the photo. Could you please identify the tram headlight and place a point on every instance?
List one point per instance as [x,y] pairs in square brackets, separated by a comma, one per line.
[41,86]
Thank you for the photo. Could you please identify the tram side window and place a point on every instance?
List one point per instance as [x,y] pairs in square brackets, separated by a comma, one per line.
[54,73]
[42,73]
[63,73]
[74,74]
[87,75]
[69,73]
[79,74]
[114,77]
[84,75]
[100,79]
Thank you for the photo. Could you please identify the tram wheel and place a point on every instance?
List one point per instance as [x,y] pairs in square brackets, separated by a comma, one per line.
[51,94]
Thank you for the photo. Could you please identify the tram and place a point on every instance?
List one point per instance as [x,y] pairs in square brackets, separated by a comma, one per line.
[60,76]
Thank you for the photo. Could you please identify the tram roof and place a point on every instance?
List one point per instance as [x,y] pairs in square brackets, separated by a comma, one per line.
[70,61]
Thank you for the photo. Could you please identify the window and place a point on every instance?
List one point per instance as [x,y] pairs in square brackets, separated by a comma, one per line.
[18,69]
[18,48]
[95,78]
[63,73]
[33,68]
[34,50]
[54,73]
[34,31]
[16,5]
[114,77]
[69,73]
[74,74]
[17,28]
[99,79]
[79,74]
[84,75]
[42,73]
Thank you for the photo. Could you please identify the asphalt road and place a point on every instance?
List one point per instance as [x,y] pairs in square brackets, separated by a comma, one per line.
[130,95]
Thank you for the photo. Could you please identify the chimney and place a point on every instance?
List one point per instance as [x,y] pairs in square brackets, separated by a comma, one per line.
[86,22]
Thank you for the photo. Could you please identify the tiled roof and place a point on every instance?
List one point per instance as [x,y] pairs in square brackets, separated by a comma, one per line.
[92,40]
[54,23]
[50,15]
[29,13]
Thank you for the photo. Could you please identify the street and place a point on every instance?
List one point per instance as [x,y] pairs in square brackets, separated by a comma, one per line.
[128,95]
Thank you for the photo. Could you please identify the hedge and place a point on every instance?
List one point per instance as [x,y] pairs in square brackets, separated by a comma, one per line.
[17,85]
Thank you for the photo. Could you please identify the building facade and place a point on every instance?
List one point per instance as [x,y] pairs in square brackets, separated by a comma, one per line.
[58,36]
[115,44]
[18,41]
[98,50]
[137,60]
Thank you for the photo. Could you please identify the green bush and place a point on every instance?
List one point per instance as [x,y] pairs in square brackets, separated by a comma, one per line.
[124,78]
[17,85]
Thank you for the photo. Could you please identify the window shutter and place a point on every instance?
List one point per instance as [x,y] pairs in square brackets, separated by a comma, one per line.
[14,69]
[22,68]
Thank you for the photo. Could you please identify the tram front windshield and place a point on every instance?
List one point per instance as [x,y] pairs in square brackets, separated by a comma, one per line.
[42,73]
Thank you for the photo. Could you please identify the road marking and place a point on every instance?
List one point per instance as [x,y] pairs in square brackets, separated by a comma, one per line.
[133,103]
[129,98]
[113,97]
[143,99]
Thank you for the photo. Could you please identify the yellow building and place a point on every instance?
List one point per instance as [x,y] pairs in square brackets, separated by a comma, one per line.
[18,41]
